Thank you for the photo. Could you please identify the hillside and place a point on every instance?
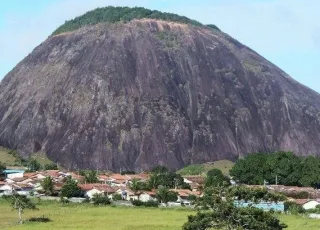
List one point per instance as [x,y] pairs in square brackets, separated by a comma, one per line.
[202,169]
[130,96]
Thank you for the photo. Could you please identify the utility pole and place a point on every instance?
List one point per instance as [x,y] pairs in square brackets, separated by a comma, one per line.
[276,179]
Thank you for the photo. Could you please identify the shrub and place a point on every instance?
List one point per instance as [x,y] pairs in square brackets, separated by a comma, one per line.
[137,202]
[149,203]
[39,219]
[116,197]
[100,199]
[293,208]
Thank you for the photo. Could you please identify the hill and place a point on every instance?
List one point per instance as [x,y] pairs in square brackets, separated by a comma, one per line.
[133,95]
[202,169]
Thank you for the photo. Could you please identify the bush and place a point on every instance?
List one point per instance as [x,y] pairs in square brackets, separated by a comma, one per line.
[100,199]
[137,202]
[149,203]
[116,197]
[293,208]
[39,219]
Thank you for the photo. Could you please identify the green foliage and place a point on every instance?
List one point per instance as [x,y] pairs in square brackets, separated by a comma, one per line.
[33,165]
[286,167]
[216,178]
[39,219]
[120,14]
[116,197]
[47,185]
[51,166]
[162,177]
[218,213]
[100,199]
[214,27]
[91,177]
[293,208]
[149,203]
[255,194]
[164,195]
[128,172]
[20,203]
[70,189]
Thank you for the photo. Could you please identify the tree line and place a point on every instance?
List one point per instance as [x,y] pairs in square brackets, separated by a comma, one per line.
[121,14]
[283,168]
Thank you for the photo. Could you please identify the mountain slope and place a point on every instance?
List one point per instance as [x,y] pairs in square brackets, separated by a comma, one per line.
[147,92]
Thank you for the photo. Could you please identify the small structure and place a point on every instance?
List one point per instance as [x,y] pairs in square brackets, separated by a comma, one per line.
[267,206]
[13,173]
[312,204]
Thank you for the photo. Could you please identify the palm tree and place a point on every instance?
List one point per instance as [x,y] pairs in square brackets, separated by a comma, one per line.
[47,185]
[134,186]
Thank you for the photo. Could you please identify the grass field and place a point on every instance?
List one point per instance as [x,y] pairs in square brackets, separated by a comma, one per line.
[85,216]
[202,169]
[5,157]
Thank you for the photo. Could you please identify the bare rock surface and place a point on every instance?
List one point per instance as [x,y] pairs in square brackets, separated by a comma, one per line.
[149,92]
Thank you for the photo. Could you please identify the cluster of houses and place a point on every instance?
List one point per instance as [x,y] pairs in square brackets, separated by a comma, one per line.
[18,181]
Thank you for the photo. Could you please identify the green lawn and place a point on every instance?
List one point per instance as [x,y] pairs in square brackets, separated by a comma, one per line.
[72,216]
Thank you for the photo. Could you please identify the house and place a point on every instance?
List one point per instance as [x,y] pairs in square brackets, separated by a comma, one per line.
[91,189]
[312,204]
[148,196]
[90,194]
[9,189]
[13,173]
[127,194]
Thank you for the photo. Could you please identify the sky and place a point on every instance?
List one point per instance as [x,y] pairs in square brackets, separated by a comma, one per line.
[286,32]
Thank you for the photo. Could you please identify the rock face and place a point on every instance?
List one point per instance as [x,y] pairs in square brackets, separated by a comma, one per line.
[149,92]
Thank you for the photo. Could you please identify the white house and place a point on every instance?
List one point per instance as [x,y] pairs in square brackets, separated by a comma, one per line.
[93,192]
[147,196]
[310,205]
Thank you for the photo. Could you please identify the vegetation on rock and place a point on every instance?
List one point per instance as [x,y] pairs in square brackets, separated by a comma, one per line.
[121,14]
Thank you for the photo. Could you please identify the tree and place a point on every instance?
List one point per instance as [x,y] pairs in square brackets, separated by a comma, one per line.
[100,199]
[216,178]
[164,195]
[20,203]
[218,213]
[51,166]
[91,177]
[251,169]
[2,168]
[33,165]
[134,186]
[70,189]
[47,185]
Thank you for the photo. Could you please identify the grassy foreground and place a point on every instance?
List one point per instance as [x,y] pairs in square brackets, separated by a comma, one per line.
[85,216]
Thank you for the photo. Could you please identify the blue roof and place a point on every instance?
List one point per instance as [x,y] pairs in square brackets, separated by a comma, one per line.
[8,171]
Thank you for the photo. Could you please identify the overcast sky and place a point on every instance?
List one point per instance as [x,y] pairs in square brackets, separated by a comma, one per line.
[287,32]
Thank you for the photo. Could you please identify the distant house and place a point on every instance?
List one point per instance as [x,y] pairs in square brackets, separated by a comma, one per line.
[148,196]
[312,204]
[9,189]
[91,189]
[13,173]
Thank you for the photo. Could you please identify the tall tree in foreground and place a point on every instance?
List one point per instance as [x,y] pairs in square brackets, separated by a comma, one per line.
[20,203]
[217,213]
